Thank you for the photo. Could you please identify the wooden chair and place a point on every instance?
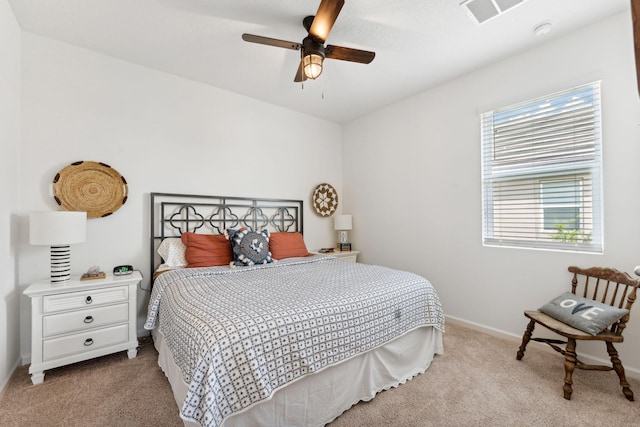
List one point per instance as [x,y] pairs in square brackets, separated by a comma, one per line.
[605,285]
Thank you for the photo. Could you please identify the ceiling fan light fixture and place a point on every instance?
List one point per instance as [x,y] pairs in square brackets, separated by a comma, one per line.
[312,65]
[312,58]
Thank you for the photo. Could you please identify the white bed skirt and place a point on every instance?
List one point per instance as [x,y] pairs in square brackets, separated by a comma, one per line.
[319,398]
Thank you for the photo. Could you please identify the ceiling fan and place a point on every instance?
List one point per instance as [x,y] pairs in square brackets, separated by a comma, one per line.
[313,50]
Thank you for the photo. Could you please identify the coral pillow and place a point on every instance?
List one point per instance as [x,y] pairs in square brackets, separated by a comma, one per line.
[286,245]
[206,250]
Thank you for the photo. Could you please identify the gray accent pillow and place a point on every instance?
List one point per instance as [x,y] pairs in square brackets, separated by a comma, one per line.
[249,247]
[585,314]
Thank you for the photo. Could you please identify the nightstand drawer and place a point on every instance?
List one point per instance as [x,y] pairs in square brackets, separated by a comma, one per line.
[83,299]
[89,318]
[84,342]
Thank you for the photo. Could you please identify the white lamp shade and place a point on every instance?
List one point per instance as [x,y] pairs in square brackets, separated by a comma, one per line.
[342,222]
[57,228]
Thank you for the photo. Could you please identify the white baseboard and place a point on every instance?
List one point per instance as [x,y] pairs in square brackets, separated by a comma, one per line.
[5,381]
[517,339]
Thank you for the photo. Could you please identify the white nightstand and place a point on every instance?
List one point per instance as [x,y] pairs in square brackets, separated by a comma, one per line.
[351,256]
[80,320]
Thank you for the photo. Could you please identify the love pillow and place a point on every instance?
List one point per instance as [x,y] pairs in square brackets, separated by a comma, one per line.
[585,314]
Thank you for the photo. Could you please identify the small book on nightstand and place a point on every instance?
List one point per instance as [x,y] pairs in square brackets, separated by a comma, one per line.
[344,247]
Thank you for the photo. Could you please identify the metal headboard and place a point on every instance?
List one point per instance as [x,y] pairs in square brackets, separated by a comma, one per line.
[174,214]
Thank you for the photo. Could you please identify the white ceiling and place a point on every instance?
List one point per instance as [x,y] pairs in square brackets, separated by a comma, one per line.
[418,43]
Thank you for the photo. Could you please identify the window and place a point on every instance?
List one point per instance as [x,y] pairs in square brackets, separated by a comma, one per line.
[541,172]
[562,204]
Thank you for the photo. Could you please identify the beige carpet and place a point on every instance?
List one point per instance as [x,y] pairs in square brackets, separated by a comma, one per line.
[477,382]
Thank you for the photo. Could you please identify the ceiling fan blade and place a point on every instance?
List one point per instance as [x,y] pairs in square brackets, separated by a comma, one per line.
[300,75]
[325,18]
[271,42]
[348,54]
[635,15]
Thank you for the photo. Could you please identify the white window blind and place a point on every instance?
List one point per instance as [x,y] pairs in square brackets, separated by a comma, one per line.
[541,172]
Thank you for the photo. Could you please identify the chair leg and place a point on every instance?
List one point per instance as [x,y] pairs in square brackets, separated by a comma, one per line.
[569,365]
[525,339]
[617,366]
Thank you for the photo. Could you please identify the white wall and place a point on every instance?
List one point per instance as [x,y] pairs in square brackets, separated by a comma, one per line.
[163,134]
[412,181]
[9,146]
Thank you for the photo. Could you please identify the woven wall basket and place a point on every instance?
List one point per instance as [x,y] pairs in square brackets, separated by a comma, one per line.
[325,199]
[91,187]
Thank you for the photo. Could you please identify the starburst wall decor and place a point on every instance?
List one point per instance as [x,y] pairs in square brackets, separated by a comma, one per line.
[325,199]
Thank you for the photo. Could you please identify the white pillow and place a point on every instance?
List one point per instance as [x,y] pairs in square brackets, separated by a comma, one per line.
[172,252]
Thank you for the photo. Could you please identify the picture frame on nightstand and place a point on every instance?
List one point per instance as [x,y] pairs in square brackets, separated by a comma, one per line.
[344,247]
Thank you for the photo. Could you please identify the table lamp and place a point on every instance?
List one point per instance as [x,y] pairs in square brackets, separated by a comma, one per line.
[58,229]
[343,223]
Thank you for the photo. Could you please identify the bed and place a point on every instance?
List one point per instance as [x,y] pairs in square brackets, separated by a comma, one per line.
[279,337]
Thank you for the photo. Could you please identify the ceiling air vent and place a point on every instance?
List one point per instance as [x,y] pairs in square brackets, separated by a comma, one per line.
[483,10]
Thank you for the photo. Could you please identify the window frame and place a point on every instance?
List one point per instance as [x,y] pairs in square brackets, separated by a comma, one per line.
[566,156]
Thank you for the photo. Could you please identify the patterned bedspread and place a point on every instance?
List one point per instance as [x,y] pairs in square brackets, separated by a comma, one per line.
[239,334]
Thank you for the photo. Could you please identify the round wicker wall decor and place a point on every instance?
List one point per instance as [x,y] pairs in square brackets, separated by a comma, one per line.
[91,187]
[325,199]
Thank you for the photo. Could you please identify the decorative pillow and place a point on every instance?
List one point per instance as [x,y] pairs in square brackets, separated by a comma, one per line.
[585,314]
[172,252]
[286,245]
[249,247]
[206,250]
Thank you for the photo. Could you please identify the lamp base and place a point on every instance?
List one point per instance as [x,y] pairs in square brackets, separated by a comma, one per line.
[60,264]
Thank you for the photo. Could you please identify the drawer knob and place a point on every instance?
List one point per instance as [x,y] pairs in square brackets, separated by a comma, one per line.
[88,342]
[88,319]
[89,300]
